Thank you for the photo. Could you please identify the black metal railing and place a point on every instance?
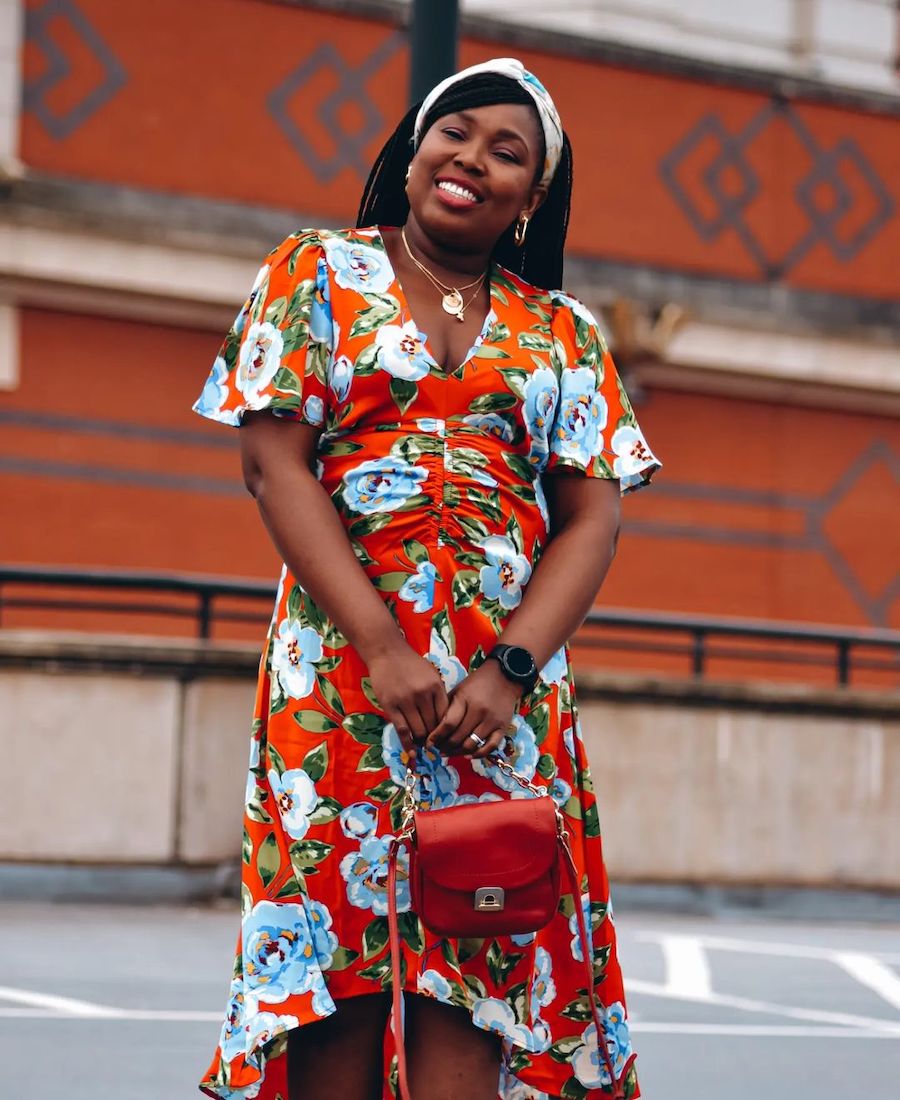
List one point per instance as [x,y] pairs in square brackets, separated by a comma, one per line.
[694,642]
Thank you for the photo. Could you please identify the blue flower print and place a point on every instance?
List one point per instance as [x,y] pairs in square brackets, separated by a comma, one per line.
[321,322]
[520,750]
[325,942]
[587,1064]
[434,984]
[451,668]
[232,1040]
[366,875]
[438,780]
[560,791]
[491,424]
[541,499]
[295,796]
[539,410]
[340,377]
[265,1026]
[543,987]
[382,484]
[506,572]
[577,951]
[294,655]
[633,456]
[401,351]
[524,938]
[554,671]
[492,1014]
[215,391]
[359,820]
[358,266]
[418,589]
[258,361]
[240,321]
[279,959]
[581,417]
[511,1088]
[432,426]
[314,410]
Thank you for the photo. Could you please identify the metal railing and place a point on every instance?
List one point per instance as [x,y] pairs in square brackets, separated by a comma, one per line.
[695,641]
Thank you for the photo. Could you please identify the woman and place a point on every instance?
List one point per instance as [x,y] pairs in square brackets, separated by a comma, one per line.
[432,496]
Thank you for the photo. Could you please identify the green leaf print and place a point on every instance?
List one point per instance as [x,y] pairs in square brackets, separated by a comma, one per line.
[375,937]
[415,551]
[475,530]
[362,555]
[255,811]
[449,953]
[579,1009]
[315,763]
[276,759]
[305,854]
[365,727]
[534,341]
[539,308]
[327,809]
[381,972]
[295,336]
[487,503]
[546,767]
[367,361]
[328,664]
[367,525]
[411,931]
[276,310]
[268,860]
[382,791]
[489,351]
[520,466]
[246,848]
[515,533]
[519,1062]
[452,498]
[468,948]
[476,985]
[342,958]
[500,966]
[563,1049]
[390,582]
[441,623]
[572,808]
[372,318]
[372,760]
[492,402]
[591,820]
[285,381]
[369,692]
[295,603]
[314,721]
[630,1083]
[573,1090]
[403,393]
[465,586]
[329,693]
[539,720]
[291,889]
[516,999]
[516,379]
[340,448]
[559,355]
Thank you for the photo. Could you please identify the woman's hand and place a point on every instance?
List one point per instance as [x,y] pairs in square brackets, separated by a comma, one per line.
[483,704]
[411,693]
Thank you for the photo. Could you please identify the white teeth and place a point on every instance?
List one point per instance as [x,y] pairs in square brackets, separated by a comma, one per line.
[455,189]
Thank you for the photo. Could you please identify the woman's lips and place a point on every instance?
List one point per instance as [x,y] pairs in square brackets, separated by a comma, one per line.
[456,195]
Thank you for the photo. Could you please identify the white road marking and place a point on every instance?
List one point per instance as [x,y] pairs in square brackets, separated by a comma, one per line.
[64,1005]
[687,967]
[745,1004]
[758,1031]
[161,1015]
[872,973]
[766,947]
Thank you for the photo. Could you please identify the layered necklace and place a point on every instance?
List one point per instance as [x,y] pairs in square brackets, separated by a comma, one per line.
[451,296]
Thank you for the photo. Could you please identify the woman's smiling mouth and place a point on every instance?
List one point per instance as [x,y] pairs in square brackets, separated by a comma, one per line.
[457,194]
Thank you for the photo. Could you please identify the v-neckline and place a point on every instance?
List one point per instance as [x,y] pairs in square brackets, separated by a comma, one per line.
[489,318]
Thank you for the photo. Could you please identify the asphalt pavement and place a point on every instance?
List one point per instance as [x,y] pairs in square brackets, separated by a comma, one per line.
[124,1002]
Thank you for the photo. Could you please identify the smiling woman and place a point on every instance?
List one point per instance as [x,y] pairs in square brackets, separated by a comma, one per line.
[436,438]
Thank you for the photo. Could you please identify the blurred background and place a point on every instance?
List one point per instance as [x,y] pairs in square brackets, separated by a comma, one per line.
[736,227]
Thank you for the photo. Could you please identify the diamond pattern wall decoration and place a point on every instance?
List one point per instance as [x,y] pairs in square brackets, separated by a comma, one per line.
[825,220]
[36,92]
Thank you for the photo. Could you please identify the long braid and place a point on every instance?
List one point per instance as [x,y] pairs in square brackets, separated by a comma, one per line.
[384,200]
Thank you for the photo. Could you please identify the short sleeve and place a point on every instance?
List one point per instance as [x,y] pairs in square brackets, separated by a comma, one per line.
[276,353]
[594,431]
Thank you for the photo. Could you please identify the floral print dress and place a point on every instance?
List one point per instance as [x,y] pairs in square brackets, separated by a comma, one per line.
[437,477]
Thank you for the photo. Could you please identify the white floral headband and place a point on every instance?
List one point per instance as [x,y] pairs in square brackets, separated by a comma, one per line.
[515,70]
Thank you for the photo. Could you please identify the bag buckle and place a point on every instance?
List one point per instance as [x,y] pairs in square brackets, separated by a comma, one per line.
[490,899]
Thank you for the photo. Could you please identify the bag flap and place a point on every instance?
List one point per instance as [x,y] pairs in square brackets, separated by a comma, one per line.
[507,844]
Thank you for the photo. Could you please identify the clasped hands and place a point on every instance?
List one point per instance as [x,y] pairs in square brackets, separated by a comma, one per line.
[472,719]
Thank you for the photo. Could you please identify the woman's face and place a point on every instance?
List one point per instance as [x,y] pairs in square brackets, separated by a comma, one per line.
[473,174]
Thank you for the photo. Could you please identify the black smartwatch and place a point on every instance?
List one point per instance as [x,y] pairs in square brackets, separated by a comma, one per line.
[517,665]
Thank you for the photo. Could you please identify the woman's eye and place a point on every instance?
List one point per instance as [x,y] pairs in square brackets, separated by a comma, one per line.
[504,154]
[457,135]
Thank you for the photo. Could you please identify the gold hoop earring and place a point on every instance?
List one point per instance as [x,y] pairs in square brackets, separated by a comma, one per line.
[408,171]
[521,230]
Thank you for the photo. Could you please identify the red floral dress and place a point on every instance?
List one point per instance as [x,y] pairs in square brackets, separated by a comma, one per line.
[437,477]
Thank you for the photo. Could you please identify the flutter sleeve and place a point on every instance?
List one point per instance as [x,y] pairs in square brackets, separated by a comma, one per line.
[594,431]
[276,353]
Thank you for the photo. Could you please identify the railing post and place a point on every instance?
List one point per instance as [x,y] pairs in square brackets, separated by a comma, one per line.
[698,655]
[843,662]
[204,614]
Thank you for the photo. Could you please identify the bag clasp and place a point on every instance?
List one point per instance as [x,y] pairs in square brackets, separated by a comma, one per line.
[490,899]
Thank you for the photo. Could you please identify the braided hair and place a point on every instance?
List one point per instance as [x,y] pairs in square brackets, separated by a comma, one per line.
[540,260]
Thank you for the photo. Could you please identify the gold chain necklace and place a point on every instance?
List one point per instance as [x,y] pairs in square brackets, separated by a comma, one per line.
[451,296]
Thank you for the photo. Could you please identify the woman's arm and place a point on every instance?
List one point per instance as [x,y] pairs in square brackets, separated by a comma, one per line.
[277,457]
[584,525]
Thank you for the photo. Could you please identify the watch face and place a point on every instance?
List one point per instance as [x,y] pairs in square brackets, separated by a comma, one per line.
[520,661]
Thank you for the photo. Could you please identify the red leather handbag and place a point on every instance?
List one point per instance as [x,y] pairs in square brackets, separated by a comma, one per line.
[486,869]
